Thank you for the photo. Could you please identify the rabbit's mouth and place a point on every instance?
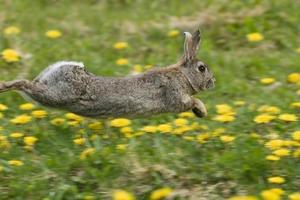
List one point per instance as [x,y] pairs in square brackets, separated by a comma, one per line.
[210,83]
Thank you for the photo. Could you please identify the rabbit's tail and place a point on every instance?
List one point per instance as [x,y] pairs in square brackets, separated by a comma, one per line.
[14,85]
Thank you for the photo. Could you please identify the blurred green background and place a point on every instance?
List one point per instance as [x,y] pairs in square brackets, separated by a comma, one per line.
[153,32]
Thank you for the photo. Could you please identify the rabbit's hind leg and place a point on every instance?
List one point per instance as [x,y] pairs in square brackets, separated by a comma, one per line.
[15,85]
[199,108]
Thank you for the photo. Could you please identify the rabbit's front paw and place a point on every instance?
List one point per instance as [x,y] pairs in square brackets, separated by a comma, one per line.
[199,108]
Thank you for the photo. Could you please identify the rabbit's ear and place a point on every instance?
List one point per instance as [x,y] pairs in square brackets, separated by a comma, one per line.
[191,45]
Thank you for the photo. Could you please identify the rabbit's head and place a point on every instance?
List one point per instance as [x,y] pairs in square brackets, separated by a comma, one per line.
[196,71]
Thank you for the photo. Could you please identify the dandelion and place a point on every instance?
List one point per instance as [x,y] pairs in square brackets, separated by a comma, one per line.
[137,68]
[122,61]
[276,179]
[295,105]
[3,107]
[296,135]
[73,117]
[294,196]
[21,119]
[26,106]
[224,109]
[10,55]
[126,130]
[269,109]
[11,30]
[288,117]
[95,125]
[16,135]
[281,152]
[39,114]
[53,34]
[274,144]
[87,152]
[243,197]
[30,140]
[164,128]
[263,118]
[267,81]
[79,141]
[16,163]
[122,195]
[272,158]
[186,115]
[269,195]
[227,138]
[57,121]
[173,33]
[180,122]
[255,37]
[120,45]
[239,103]
[293,78]
[160,193]
[224,118]
[120,122]
[149,129]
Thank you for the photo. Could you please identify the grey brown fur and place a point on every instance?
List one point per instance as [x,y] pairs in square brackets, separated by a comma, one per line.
[68,86]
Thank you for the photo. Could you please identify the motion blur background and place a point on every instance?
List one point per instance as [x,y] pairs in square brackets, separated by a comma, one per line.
[250,136]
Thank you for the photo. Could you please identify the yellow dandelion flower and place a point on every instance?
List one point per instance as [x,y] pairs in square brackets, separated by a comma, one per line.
[243,197]
[224,109]
[180,122]
[282,152]
[87,152]
[295,105]
[126,130]
[137,68]
[53,34]
[269,109]
[274,144]
[224,118]
[295,196]
[270,195]
[79,141]
[149,129]
[57,121]
[21,119]
[227,138]
[121,45]
[164,128]
[160,193]
[182,129]
[267,81]
[122,61]
[16,135]
[186,115]
[3,107]
[173,33]
[272,158]
[122,147]
[16,163]
[255,37]
[10,55]
[263,118]
[26,106]
[95,125]
[276,179]
[239,103]
[120,122]
[73,117]
[203,137]
[278,191]
[296,135]
[288,117]
[122,195]
[30,140]
[11,30]
[293,78]
[39,114]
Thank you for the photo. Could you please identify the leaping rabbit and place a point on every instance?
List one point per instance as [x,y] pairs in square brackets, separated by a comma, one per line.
[69,86]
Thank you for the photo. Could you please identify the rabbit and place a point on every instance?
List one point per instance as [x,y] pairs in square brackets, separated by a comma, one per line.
[69,86]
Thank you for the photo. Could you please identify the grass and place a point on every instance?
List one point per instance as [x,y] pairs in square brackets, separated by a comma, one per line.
[195,168]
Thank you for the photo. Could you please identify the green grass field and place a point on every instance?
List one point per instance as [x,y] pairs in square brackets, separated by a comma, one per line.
[251,135]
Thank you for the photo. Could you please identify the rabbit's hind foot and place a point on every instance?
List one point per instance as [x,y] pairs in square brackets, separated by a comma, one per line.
[199,108]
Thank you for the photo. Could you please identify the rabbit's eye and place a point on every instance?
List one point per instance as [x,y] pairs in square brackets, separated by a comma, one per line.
[201,68]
